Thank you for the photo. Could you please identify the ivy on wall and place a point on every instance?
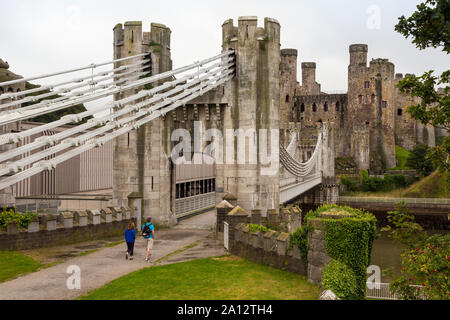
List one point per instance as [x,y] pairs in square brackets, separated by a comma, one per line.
[349,241]
[22,220]
[300,239]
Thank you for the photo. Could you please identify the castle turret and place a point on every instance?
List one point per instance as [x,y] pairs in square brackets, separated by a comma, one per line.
[358,54]
[288,86]
[309,84]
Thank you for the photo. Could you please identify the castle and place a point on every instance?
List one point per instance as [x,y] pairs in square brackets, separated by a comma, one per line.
[365,124]
[369,120]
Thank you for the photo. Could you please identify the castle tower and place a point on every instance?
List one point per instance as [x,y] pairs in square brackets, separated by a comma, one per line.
[309,84]
[141,158]
[254,95]
[288,86]
[371,108]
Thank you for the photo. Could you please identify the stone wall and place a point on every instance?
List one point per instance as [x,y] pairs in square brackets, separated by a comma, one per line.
[317,256]
[271,249]
[67,228]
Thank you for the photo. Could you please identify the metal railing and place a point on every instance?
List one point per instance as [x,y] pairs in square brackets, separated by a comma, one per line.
[396,200]
[383,291]
[195,203]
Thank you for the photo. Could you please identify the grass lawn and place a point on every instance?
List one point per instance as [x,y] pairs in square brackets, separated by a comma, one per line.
[402,157]
[14,264]
[433,186]
[225,278]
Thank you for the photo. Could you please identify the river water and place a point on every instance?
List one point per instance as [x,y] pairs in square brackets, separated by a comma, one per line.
[386,254]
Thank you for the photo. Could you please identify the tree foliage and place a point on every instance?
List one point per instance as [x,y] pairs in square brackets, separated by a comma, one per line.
[419,161]
[429,26]
[425,259]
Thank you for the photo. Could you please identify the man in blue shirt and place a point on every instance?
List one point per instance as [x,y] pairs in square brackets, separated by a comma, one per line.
[148,230]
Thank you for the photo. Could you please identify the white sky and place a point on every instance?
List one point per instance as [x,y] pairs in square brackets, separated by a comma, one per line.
[42,36]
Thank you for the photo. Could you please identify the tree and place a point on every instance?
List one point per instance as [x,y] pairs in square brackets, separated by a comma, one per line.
[429,27]
[425,259]
[418,160]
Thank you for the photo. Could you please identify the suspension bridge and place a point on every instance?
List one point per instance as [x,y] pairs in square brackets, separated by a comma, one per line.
[138,98]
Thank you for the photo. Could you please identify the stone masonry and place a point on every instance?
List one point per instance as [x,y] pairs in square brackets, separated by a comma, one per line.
[369,120]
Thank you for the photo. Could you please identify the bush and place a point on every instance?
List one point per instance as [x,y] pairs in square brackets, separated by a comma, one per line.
[388,183]
[300,239]
[425,258]
[419,161]
[255,228]
[23,220]
[349,183]
[340,279]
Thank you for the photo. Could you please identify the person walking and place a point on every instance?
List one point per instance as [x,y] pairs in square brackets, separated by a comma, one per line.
[148,232]
[130,238]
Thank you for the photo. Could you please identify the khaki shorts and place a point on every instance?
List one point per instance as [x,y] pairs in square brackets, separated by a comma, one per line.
[149,244]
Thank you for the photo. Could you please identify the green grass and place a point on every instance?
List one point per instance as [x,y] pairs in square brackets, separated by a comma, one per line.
[226,278]
[402,157]
[193,245]
[433,186]
[15,264]
[114,244]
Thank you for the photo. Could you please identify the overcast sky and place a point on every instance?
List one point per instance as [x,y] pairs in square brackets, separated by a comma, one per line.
[41,36]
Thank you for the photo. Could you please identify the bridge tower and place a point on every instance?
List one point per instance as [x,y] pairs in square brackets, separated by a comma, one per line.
[254,96]
[142,166]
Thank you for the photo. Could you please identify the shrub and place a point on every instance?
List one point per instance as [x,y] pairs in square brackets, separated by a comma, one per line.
[425,258]
[23,220]
[340,279]
[300,239]
[255,228]
[349,183]
[418,160]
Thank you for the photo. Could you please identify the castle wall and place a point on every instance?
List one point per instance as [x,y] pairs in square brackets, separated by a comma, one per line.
[405,126]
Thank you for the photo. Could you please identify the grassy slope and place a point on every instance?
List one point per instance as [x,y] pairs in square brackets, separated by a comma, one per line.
[433,186]
[14,264]
[228,278]
[402,157]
